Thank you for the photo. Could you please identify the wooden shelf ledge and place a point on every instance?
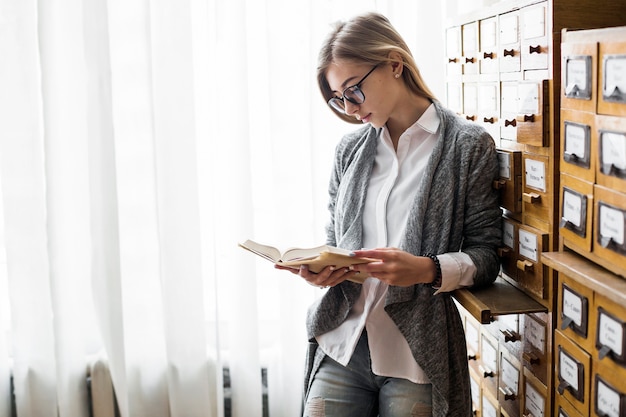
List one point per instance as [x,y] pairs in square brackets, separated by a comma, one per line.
[498,299]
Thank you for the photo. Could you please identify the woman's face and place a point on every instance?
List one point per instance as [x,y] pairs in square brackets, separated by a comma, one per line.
[376,88]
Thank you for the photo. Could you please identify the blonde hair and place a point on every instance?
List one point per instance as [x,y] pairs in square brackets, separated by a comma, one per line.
[369,39]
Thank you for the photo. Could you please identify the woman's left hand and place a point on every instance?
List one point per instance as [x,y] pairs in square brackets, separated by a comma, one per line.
[397,267]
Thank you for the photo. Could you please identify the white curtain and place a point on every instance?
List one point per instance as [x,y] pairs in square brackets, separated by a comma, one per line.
[140,140]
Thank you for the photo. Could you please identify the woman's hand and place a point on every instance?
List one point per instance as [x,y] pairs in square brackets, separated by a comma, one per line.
[327,277]
[397,267]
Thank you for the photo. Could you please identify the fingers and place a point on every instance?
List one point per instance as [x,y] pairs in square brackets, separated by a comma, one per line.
[328,277]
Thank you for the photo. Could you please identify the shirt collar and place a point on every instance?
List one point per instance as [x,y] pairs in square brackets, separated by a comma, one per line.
[429,122]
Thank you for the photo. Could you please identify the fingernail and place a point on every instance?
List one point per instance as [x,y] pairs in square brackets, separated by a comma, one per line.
[332,268]
[351,254]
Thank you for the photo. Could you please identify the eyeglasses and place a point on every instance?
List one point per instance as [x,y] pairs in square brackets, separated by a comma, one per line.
[353,94]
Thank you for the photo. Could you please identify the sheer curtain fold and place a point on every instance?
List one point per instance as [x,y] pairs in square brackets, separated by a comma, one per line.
[139,142]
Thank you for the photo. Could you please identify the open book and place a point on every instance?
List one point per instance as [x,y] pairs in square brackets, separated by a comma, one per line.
[316,258]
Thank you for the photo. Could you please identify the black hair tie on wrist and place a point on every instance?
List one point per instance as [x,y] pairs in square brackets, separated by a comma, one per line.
[437,281]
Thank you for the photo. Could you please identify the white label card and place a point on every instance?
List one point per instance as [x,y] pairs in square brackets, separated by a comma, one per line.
[572,306]
[615,75]
[509,322]
[611,224]
[490,356]
[613,149]
[607,400]
[508,234]
[528,245]
[536,174]
[611,333]
[510,375]
[576,140]
[568,370]
[535,403]
[488,409]
[528,98]
[535,333]
[576,73]
[572,207]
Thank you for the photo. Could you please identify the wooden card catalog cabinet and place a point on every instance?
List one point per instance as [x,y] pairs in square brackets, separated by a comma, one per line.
[612,97]
[608,391]
[510,57]
[535,400]
[534,34]
[579,76]
[610,229]
[532,113]
[530,271]
[488,55]
[576,212]
[573,367]
[509,384]
[535,349]
[611,168]
[454,51]
[578,144]
[510,182]
[508,108]
[610,335]
[470,48]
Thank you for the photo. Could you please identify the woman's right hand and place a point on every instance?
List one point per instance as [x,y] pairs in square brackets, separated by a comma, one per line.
[327,277]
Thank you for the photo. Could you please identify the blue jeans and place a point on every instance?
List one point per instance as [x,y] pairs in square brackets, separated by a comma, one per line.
[354,391]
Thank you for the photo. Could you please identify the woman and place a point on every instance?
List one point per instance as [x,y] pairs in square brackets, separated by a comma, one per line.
[416,184]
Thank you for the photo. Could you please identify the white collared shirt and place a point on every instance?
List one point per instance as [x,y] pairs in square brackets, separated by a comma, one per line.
[390,194]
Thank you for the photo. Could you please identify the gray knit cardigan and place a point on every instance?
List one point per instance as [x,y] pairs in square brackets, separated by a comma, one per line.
[455,209]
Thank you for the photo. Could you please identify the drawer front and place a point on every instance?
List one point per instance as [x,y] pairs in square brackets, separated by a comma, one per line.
[608,391]
[530,271]
[574,312]
[612,78]
[576,212]
[533,113]
[508,253]
[610,227]
[509,332]
[562,408]
[572,372]
[579,144]
[611,164]
[489,107]
[472,341]
[510,53]
[509,384]
[579,75]
[508,110]
[470,101]
[537,183]
[609,333]
[470,48]
[536,401]
[510,182]
[454,51]
[534,37]
[454,95]
[488,55]
[536,347]
[488,367]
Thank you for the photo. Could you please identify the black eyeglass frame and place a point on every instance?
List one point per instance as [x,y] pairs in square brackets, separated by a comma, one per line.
[338,103]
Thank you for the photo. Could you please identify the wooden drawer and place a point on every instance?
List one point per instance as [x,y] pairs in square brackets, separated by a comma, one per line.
[510,333]
[610,228]
[454,51]
[488,55]
[508,110]
[536,347]
[574,312]
[489,107]
[508,253]
[533,112]
[537,186]
[470,48]
[472,341]
[489,405]
[562,408]
[608,391]
[572,372]
[576,212]
[476,393]
[611,165]
[609,333]
[509,384]
[579,144]
[510,56]
[510,182]
[536,401]
[612,78]
[579,75]
[454,95]
[534,37]
[470,101]
[488,366]
[530,271]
